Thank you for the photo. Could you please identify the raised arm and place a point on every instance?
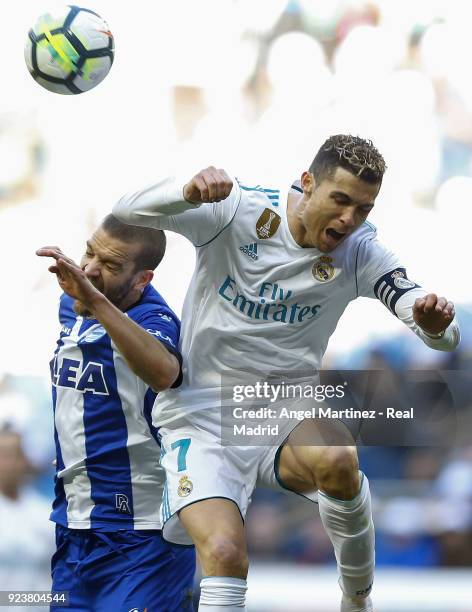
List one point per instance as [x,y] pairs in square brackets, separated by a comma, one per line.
[430,317]
[146,356]
[177,206]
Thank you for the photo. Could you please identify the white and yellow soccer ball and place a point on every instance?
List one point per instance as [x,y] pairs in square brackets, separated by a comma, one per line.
[69,50]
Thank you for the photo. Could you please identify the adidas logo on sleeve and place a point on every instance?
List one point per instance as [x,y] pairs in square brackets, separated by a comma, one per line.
[250,250]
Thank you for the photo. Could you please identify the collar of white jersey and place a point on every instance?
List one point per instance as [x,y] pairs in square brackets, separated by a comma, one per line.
[296,186]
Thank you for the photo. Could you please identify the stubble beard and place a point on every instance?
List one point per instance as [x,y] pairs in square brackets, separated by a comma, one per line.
[116,297]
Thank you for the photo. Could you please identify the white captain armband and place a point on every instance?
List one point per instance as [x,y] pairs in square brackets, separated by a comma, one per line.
[391,286]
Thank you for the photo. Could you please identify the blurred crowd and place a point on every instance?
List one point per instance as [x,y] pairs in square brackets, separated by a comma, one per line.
[254,87]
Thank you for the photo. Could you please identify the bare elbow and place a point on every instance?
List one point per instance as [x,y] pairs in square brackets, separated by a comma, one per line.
[166,375]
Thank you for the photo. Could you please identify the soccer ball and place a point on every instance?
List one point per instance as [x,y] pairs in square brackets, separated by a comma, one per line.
[69,50]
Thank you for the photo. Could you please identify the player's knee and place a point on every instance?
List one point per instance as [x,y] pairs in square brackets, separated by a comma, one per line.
[223,555]
[337,474]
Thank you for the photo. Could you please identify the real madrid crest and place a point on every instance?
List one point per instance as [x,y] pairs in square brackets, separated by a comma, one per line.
[185,487]
[400,280]
[323,269]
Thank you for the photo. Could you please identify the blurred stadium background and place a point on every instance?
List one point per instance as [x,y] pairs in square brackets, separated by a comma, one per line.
[253,87]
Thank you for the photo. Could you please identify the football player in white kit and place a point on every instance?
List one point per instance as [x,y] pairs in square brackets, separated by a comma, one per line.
[275,270]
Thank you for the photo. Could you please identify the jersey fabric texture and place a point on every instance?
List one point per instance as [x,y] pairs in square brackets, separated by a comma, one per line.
[257,299]
[123,571]
[108,474]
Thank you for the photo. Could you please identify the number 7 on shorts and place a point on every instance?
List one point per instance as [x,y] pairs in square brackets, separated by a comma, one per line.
[183,446]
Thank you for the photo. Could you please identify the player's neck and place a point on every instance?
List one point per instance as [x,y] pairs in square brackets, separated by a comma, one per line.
[295,226]
[131,300]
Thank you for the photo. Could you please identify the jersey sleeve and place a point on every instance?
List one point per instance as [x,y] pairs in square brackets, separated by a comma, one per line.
[374,262]
[162,206]
[380,275]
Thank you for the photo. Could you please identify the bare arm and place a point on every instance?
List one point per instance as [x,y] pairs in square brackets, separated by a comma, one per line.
[146,356]
[430,317]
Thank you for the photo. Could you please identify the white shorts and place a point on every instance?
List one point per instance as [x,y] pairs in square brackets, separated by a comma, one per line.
[198,466]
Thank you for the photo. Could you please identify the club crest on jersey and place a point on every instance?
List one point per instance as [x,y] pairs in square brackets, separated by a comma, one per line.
[267,224]
[185,487]
[323,269]
[400,281]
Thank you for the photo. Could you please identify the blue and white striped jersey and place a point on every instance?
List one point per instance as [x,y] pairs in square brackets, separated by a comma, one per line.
[108,474]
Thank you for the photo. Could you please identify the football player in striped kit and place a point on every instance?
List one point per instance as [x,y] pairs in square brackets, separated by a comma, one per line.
[275,270]
[118,348]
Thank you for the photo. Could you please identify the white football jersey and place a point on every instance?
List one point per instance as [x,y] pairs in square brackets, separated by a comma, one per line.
[258,300]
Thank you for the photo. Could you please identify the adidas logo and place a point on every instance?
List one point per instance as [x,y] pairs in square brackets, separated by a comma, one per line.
[250,250]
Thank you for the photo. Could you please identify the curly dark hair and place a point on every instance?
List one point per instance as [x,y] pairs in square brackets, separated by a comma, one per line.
[352,153]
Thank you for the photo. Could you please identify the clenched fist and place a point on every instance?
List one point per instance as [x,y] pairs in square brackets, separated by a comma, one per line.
[433,314]
[209,185]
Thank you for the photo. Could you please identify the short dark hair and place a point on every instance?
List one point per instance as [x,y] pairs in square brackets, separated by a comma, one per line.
[352,153]
[152,242]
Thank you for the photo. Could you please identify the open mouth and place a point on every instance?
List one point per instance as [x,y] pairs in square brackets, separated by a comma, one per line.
[336,236]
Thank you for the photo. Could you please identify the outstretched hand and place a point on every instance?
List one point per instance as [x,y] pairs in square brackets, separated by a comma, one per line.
[70,276]
[209,185]
[433,314]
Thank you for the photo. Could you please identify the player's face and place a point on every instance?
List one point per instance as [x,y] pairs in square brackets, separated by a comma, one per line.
[109,264]
[336,207]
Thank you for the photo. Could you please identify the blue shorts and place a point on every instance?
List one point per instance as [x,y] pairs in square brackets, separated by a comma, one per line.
[122,571]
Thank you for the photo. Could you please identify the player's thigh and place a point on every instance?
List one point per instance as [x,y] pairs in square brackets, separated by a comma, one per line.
[208,487]
[312,450]
[64,572]
[138,569]
[160,578]
[180,579]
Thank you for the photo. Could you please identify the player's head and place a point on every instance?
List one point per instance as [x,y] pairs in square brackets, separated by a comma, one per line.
[119,260]
[340,189]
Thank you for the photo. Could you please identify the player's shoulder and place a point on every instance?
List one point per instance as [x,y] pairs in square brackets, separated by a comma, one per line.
[259,195]
[65,301]
[372,255]
[354,252]
[66,308]
[153,304]
[365,232]
[359,239]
